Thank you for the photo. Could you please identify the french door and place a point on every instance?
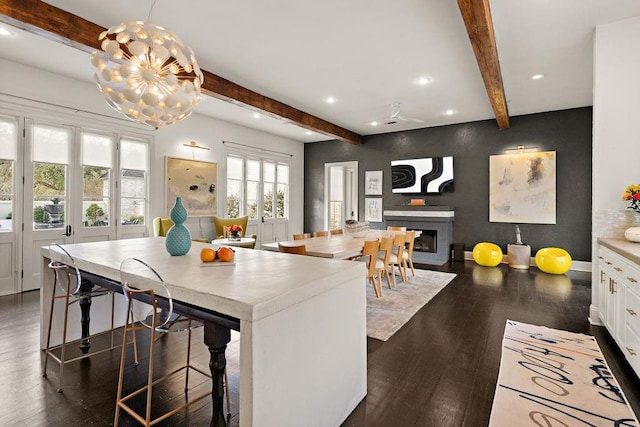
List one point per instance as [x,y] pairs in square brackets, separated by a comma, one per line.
[80,185]
[340,193]
[259,188]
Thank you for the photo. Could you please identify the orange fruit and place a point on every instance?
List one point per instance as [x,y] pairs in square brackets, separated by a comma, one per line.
[225,254]
[207,254]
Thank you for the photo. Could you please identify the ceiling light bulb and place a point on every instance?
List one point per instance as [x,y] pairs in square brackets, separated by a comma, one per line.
[256,116]
[449,112]
[5,32]
[330,100]
[374,123]
[537,76]
[309,133]
[423,80]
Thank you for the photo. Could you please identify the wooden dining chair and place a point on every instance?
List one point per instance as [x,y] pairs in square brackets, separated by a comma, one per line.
[396,228]
[407,254]
[395,258]
[336,231]
[320,233]
[293,249]
[301,236]
[384,255]
[375,266]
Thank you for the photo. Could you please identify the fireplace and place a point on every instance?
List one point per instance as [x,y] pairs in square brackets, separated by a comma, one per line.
[436,225]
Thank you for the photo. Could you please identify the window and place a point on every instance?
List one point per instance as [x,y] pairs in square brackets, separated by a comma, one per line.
[96,174]
[51,147]
[133,183]
[235,174]
[258,188]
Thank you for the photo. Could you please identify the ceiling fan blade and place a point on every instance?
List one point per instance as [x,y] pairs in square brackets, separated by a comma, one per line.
[410,119]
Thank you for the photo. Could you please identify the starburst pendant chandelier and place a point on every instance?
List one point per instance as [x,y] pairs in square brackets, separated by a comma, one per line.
[147,73]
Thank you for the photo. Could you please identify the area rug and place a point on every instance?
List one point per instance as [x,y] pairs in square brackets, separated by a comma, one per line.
[550,377]
[387,314]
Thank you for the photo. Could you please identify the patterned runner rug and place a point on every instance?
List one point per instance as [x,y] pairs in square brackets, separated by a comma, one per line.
[550,377]
[387,314]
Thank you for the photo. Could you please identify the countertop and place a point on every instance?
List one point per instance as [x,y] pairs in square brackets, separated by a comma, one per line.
[259,284]
[623,247]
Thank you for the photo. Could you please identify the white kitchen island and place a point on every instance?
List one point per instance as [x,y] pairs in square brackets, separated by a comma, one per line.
[302,323]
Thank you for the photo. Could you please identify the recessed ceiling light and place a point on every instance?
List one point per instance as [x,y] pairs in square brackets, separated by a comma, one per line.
[5,32]
[537,76]
[374,123]
[309,133]
[256,115]
[330,100]
[449,112]
[423,80]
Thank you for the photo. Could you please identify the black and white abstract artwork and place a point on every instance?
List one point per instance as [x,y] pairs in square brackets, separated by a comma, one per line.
[422,176]
[522,188]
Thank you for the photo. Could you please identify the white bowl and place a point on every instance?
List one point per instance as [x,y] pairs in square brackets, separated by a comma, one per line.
[632,234]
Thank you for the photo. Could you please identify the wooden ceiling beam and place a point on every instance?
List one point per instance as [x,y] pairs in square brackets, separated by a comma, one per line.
[42,19]
[477,18]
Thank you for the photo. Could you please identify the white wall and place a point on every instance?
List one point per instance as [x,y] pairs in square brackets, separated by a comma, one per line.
[21,85]
[616,114]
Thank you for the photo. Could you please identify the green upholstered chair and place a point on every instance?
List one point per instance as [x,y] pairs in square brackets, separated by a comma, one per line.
[221,223]
[161,226]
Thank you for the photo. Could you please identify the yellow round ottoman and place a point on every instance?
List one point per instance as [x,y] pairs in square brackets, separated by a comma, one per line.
[553,260]
[487,254]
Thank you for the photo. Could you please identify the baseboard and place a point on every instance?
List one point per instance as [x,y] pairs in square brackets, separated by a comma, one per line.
[575,265]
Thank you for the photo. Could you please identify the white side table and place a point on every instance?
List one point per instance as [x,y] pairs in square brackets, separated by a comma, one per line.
[244,242]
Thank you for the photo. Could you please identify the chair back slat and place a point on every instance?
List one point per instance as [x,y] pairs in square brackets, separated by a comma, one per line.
[301,236]
[297,249]
[370,249]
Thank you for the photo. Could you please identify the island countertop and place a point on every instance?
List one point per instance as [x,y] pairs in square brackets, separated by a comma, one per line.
[256,285]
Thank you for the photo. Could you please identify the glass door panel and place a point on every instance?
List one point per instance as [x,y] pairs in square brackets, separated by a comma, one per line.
[134,166]
[8,217]
[47,216]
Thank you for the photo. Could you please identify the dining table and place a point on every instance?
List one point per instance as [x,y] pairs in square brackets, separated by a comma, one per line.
[337,246]
[302,323]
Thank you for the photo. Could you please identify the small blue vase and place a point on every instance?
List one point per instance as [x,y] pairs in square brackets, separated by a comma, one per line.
[178,240]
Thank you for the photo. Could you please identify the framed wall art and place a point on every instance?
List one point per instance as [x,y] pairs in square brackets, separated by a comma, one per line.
[193,180]
[373,209]
[373,183]
[522,188]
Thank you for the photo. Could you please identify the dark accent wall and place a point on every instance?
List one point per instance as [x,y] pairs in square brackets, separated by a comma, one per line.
[568,132]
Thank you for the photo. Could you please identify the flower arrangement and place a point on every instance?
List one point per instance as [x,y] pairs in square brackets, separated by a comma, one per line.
[235,229]
[632,194]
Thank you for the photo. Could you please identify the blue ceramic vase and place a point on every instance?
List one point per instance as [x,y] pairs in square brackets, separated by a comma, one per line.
[178,240]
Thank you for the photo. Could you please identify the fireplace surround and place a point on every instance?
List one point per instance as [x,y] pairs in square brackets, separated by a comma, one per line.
[436,224]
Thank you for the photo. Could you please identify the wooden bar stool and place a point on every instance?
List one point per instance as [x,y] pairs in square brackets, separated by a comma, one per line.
[320,233]
[137,277]
[301,236]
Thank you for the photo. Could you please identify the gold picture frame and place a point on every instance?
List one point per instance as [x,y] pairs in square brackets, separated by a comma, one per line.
[195,181]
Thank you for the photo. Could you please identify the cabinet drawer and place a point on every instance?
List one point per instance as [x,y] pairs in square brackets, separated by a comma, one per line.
[631,349]
[632,311]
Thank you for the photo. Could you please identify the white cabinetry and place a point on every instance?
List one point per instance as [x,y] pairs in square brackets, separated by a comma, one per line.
[619,292]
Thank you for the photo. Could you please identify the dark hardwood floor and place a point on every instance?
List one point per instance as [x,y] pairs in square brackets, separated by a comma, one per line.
[440,369]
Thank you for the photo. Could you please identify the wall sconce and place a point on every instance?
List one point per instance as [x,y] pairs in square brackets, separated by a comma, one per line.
[194,144]
[520,149]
